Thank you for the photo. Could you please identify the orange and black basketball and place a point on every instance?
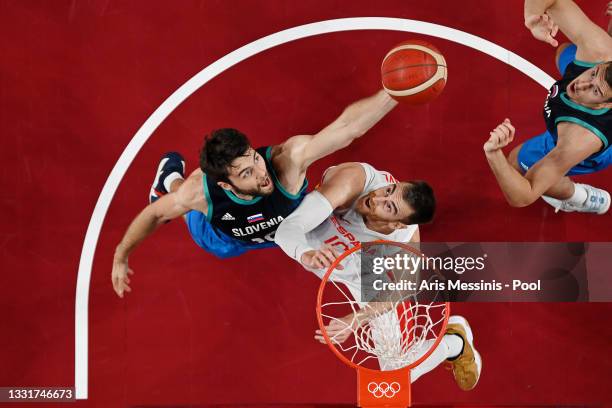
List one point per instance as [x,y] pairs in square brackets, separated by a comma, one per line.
[414,72]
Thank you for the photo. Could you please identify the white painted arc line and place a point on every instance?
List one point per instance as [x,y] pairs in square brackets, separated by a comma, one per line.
[216,68]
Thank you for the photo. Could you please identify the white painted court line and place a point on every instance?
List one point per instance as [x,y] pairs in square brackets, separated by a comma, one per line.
[208,73]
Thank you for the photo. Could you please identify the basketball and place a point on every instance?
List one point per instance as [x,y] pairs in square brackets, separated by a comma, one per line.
[414,72]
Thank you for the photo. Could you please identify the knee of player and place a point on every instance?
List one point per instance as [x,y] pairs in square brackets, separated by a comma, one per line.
[519,202]
[559,52]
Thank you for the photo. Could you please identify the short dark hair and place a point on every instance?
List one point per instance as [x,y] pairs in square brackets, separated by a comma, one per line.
[609,76]
[420,196]
[220,149]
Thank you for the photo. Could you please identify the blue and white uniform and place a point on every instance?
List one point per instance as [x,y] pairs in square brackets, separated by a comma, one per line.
[560,108]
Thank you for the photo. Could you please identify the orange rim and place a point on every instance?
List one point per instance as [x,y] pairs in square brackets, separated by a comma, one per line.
[322,325]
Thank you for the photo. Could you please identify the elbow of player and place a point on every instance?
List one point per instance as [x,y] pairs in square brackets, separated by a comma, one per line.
[162,220]
[285,235]
[155,215]
[517,203]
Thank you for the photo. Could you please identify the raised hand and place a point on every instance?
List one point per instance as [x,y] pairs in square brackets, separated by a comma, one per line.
[543,28]
[500,137]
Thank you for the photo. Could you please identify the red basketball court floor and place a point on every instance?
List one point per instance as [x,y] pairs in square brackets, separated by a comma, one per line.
[79,78]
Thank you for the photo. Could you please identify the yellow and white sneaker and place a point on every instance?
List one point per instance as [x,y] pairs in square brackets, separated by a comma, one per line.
[468,365]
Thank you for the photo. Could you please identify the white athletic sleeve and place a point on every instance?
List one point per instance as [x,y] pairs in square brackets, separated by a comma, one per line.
[291,233]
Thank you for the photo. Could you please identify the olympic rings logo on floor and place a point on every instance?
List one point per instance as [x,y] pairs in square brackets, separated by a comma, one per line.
[384,389]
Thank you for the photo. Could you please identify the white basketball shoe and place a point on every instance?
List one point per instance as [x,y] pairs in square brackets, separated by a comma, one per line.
[598,201]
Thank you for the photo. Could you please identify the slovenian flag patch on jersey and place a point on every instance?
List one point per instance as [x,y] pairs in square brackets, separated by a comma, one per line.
[255,218]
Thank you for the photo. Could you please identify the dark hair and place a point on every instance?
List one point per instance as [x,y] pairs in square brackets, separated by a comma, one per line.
[420,196]
[609,76]
[220,149]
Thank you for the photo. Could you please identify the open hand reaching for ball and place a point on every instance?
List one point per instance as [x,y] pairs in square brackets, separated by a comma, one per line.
[500,137]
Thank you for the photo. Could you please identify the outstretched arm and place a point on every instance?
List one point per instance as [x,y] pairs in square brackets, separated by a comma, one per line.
[544,17]
[353,123]
[168,207]
[341,186]
[574,145]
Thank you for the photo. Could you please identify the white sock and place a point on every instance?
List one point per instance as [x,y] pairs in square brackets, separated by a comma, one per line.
[449,347]
[454,344]
[579,197]
[175,176]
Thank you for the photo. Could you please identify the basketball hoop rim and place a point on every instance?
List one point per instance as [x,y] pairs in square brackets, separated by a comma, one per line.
[328,341]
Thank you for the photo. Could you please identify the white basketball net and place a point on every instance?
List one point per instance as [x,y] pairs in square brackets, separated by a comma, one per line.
[395,332]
